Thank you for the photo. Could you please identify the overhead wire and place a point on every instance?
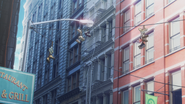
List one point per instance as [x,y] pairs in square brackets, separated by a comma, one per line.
[141,77]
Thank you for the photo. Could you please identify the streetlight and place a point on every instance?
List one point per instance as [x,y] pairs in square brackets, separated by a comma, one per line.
[88,23]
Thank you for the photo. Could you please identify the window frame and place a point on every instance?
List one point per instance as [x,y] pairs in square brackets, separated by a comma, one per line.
[138,55]
[126,22]
[148,7]
[125,60]
[146,86]
[148,49]
[134,97]
[172,48]
[176,90]
[138,14]
[123,96]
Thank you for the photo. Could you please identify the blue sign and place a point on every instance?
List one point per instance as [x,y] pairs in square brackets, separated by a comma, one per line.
[16,87]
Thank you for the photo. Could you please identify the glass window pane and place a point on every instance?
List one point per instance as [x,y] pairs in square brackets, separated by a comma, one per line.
[136,94]
[125,97]
[150,86]
[138,8]
[176,80]
[126,53]
[175,27]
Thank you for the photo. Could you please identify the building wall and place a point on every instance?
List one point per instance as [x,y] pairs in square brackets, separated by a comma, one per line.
[167,57]
[32,57]
[9,14]
[97,54]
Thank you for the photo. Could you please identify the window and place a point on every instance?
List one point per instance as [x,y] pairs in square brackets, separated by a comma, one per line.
[39,13]
[174,35]
[80,2]
[102,69]
[110,29]
[150,87]
[43,40]
[76,54]
[36,48]
[150,48]
[28,69]
[54,95]
[176,91]
[39,79]
[126,21]
[109,67]
[138,13]
[71,58]
[169,1]
[58,26]
[41,62]
[85,74]
[46,75]
[74,81]
[34,67]
[57,47]
[126,58]
[125,97]
[55,70]
[75,5]
[52,13]
[137,95]
[103,33]
[149,7]
[69,84]
[38,101]
[73,31]
[45,98]
[60,4]
[137,56]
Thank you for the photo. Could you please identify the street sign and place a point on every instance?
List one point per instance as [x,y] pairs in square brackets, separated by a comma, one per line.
[16,87]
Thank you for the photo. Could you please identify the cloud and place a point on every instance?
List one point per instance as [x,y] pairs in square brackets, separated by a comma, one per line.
[17,53]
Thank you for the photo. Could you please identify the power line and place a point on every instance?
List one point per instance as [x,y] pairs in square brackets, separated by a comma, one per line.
[123,26]
[142,77]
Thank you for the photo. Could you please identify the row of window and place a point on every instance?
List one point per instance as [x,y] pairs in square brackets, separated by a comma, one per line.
[175,91]
[149,10]
[46,74]
[45,98]
[105,70]
[174,44]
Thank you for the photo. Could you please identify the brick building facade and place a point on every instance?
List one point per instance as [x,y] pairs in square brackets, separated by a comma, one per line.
[160,65]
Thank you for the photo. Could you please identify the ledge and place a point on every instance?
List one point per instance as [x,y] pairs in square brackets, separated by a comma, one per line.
[174,51]
[69,94]
[138,24]
[169,4]
[136,69]
[73,66]
[48,86]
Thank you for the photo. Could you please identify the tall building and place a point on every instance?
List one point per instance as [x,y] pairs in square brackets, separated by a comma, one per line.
[73,71]
[96,82]
[71,94]
[50,76]
[9,14]
[158,68]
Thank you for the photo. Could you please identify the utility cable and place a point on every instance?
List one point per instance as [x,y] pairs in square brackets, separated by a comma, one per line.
[142,77]
[123,26]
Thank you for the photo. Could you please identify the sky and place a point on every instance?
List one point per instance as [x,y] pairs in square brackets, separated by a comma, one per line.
[19,35]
